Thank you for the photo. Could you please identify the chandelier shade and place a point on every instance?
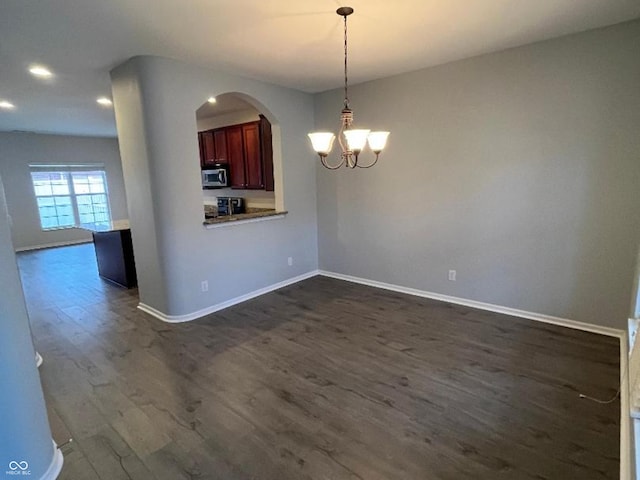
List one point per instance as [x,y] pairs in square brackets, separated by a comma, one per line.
[377,141]
[356,139]
[322,142]
[352,140]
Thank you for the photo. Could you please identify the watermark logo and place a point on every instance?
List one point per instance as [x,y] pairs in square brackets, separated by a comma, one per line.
[18,468]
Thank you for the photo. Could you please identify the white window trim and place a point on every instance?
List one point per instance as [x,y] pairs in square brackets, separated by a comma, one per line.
[69,169]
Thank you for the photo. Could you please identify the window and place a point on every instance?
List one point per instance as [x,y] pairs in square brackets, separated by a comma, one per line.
[68,197]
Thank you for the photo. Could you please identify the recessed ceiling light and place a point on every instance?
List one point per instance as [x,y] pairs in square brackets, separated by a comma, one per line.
[211,100]
[7,105]
[40,71]
[104,101]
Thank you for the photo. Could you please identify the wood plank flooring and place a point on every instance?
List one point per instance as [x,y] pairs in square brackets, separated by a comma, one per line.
[320,380]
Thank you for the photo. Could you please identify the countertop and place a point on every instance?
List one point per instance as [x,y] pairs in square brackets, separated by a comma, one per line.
[112,226]
[250,213]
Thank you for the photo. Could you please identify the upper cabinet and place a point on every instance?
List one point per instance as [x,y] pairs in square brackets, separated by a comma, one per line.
[235,151]
[252,158]
[220,142]
[207,149]
[247,150]
[213,147]
[266,152]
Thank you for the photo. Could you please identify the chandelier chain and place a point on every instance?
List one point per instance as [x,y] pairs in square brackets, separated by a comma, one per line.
[346,93]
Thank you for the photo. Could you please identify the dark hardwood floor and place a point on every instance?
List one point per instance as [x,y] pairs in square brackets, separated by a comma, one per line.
[320,380]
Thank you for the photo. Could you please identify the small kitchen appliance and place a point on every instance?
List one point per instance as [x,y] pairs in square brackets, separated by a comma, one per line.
[230,205]
[215,177]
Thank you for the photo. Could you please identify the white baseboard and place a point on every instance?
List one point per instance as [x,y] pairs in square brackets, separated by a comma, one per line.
[220,306]
[52,245]
[55,467]
[539,317]
[564,322]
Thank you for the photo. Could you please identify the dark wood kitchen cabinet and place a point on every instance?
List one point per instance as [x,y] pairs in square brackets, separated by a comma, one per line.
[246,149]
[213,147]
[252,159]
[200,147]
[245,162]
[220,143]
[207,148]
[235,152]
[266,153]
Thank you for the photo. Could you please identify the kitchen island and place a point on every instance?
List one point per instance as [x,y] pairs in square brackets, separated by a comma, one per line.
[114,251]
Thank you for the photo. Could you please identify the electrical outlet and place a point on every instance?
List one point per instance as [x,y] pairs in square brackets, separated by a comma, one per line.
[204,286]
[452,275]
[290,261]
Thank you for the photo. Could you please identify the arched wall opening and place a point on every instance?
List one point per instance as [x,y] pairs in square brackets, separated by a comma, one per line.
[239,140]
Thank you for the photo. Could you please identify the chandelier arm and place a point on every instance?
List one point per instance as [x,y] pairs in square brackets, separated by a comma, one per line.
[371,164]
[341,142]
[323,160]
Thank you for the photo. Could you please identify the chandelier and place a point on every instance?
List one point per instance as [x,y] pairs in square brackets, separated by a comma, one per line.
[351,140]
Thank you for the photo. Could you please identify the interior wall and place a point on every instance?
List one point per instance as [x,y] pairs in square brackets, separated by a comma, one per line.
[155,100]
[18,150]
[519,169]
[23,413]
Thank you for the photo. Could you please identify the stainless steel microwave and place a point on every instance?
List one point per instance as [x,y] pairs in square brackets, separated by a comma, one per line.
[215,177]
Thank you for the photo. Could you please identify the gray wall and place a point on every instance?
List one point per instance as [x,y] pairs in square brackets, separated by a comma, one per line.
[519,169]
[155,100]
[23,415]
[18,150]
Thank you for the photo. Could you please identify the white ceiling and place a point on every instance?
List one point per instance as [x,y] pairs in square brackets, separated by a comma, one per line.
[294,43]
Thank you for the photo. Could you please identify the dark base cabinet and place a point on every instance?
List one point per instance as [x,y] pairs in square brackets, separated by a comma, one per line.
[114,252]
